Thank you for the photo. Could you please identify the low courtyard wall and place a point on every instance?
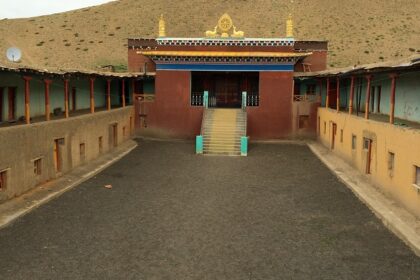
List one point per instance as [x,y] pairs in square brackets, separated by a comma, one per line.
[394,152]
[34,154]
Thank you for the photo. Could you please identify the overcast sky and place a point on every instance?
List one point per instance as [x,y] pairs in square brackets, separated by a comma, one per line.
[32,8]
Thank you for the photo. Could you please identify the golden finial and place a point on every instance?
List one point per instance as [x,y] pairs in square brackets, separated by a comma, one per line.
[289,27]
[162,30]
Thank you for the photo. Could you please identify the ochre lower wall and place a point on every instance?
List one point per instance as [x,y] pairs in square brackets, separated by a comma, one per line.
[22,144]
[305,108]
[403,142]
[273,118]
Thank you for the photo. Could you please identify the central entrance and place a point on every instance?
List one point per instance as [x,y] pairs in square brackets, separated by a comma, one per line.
[225,88]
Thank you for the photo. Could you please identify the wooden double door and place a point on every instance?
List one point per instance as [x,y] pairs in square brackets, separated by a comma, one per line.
[227,90]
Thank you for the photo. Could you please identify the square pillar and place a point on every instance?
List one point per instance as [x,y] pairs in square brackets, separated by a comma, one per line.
[27,80]
[327,100]
[367,99]
[66,98]
[338,94]
[351,95]
[392,97]
[123,92]
[47,84]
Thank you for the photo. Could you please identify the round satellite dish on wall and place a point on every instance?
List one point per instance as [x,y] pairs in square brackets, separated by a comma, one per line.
[14,54]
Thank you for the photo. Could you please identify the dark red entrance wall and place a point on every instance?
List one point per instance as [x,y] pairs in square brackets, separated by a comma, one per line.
[273,118]
[171,113]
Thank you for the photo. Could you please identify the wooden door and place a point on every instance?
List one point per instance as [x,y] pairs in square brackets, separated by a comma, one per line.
[334,133]
[57,163]
[12,104]
[115,134]
[227,90]
[368,148]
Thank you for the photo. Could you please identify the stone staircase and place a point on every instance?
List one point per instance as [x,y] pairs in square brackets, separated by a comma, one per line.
[222,130]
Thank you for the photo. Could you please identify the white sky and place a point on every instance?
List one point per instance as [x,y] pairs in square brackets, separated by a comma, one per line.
[32,8]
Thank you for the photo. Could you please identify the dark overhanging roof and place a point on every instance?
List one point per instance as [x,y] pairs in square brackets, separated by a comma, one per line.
[73,72]
[405,65]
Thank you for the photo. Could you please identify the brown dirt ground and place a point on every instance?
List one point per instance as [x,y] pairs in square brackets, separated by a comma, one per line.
[359,31]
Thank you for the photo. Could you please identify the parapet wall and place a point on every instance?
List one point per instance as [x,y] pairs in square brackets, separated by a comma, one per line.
[67,143]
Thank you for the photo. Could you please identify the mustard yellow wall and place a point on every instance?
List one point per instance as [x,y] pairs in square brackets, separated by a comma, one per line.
[402,141]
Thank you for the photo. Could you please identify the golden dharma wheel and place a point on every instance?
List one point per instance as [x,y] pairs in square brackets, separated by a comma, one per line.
[225,23]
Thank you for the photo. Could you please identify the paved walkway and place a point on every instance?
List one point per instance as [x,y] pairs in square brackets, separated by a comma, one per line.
[277,214]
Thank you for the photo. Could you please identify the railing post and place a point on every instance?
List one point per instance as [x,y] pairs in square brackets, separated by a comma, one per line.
[244,146]
[244,100]
[199,144]
[206,99]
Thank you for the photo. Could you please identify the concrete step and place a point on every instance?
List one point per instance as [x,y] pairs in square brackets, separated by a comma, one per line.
[222,130]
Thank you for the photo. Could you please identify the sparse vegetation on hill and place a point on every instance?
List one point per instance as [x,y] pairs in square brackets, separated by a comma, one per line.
[359,31]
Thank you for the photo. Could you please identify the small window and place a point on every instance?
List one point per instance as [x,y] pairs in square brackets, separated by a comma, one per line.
[417,176]
[391,160]
[38,167]
[100,143]
[341,135]
[353,142]
[3,180]
[82,151]
[325,127]
[124,131]
[366,142]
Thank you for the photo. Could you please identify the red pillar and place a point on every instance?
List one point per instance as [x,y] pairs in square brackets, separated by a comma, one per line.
[108,94]
[351,95]
[338,94]
[27,79]
[92,98]
[327,101]
[123,92]
[367,100]
[47,84]
[66,98]
[392,98]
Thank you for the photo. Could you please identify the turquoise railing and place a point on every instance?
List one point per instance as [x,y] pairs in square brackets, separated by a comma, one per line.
[199,138]
[244,146]
[206,99]
[199,144]
[244,100]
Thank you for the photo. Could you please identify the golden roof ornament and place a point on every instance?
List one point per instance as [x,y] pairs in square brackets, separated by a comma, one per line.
[162,29]
[223,28]
[289,27]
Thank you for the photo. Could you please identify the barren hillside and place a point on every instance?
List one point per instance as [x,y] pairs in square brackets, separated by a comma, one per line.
[359,31]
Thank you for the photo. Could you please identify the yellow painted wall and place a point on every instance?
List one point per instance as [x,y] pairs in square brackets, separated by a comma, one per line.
[402,141]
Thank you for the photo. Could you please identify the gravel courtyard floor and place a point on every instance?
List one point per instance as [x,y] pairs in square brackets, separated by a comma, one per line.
[277,214]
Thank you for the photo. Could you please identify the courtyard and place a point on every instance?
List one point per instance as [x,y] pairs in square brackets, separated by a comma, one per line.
[277,214]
